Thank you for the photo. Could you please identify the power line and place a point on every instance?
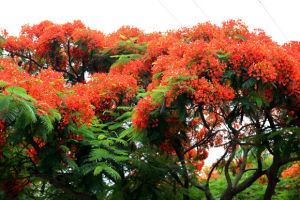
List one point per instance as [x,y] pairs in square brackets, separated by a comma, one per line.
[201,10]
[169,12]
[273,20]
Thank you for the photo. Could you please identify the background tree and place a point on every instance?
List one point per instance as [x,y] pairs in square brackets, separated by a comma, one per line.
[71,48]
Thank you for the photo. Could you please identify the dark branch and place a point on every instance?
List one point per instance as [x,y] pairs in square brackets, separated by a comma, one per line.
[66,189]
[227,176]
[28,58]
[242,168]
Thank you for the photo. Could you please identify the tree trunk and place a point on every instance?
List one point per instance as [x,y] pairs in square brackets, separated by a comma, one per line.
[209,195]
[179,152]
[227,195]
[273,180]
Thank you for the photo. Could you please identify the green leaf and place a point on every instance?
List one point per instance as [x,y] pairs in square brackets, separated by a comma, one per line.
[121,153]
[85,131]
[99,169]
[72,164]
[123,59]
[228,74]
[20,92]
[103,167]
[259,101]
[101,137]
[29,109]
[54,115]
[64,148]
[189,88]
[179,79]
[26,115]
[157,75]
[241,37]
[4,104]
[16,89]
[11,115]
[118,140]
[116,126]
[127,108]
[249,83]
[98,154]
[47,124]
[17,111]
[127,132]
[141,47]
[142,94]
[3,83]
[113,173]
[223,56]
[161,89]
[87,168]
[125,116]
[289,130]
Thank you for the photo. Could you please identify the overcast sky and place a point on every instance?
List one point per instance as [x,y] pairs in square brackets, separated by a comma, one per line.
[156,15]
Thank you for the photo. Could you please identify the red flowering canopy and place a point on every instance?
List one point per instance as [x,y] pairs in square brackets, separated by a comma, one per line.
[76,103]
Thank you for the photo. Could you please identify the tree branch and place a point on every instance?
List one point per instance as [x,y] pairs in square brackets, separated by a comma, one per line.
[203,118]
[285,161]
[227,176]
[66,189]
[242,168]
[28,58]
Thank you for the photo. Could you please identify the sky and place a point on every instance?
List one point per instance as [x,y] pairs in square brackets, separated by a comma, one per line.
[278,18]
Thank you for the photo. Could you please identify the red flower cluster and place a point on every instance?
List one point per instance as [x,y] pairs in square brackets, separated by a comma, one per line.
[108,91]
[190,65]
[196,158]
[63,46]
[32,153]
[122,34]
[134,68]
[292,172]
[13,186]
[141,117]
[78,103]
[193,61]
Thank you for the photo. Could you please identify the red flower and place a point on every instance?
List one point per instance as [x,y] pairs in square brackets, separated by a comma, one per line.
[140,118]
[292,172]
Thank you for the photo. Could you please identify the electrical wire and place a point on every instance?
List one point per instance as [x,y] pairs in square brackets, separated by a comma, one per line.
[169,12]
[273,20]
[201,10]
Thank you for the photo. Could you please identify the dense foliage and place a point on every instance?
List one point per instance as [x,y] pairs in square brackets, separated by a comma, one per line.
[130,115]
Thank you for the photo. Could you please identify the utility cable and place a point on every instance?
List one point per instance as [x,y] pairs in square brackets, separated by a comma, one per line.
[169,12]
[273,20]
[201,10]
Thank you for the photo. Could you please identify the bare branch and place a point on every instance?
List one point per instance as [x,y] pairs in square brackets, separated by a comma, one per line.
[28,58]
[227,176]
[242,168]
[208,136]
[203,118]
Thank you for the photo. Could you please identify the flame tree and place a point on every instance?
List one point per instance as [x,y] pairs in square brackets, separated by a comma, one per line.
[154,105]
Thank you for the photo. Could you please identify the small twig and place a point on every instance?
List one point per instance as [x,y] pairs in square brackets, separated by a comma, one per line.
[227,176]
